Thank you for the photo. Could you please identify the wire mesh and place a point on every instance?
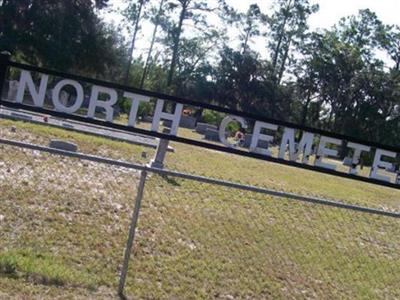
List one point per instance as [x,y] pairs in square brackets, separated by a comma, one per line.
[64,222]
[205,241]
[210,163]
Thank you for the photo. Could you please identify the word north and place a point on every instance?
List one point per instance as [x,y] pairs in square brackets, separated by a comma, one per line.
[289,148]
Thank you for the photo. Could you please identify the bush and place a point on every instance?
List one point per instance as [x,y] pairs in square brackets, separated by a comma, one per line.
[215,118]
[212,117]
[145,108]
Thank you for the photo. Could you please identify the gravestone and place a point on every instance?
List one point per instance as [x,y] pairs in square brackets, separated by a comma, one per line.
[147,119]
[63,145]
[48,95]
[117,111]
[86,101]
[202,127]
[67,125]
[348,161]
[188,122]
[64,98]
[212,135]
[247,142]
[185,122]
[21,116]
[167,123]
[392,169]
[12,90]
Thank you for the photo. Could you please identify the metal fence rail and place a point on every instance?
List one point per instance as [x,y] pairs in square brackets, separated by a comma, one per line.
[203,179]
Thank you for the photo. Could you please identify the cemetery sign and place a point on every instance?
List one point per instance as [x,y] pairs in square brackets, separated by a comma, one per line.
[44,91]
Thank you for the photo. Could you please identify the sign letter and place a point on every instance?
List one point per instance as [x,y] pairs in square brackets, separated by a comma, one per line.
[222,128]
[56,96]
[136,99]
[378,162]
[356,156]
[37,96]
[107,105]
[159,114]
[323,151]
[257,136]
[287,138]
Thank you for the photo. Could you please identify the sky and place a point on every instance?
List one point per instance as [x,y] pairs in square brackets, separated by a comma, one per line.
[330,12]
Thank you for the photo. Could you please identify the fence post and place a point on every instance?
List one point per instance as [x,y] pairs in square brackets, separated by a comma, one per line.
[131,235]
[161,151]
[4,60]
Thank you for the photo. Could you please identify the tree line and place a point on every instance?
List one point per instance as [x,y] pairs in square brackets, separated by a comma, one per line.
[345,79]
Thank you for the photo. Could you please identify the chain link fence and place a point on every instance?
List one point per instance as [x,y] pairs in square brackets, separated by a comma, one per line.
[64,222]
[199,240]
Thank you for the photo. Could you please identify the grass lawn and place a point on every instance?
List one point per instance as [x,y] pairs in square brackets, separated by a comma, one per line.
[63,226]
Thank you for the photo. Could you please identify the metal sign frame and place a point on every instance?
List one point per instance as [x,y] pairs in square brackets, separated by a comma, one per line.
[5,63]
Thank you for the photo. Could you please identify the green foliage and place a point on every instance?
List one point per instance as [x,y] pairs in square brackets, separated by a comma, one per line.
[348,85]
[288,29]
[248,23]
[212,117]
[243,82]
[145,109]
[215,118]
[331,79]
[63,35]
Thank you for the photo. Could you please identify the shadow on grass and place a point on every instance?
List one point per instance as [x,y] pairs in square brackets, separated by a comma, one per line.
[170,180]
[42,269]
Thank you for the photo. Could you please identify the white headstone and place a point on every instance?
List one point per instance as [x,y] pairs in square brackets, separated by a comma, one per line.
[12,89]
[64,98]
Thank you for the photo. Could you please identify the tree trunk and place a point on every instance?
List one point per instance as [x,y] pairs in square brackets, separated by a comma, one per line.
[280,39]
[305,109]
[176,44]
[246,40]
[283,63]
[3,19]
[128,67]
[276,54]
[153,39]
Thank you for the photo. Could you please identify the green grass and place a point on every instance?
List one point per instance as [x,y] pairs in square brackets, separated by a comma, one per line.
[65,224]
[255,247]
[87,143]
[41,268]
[255,172]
